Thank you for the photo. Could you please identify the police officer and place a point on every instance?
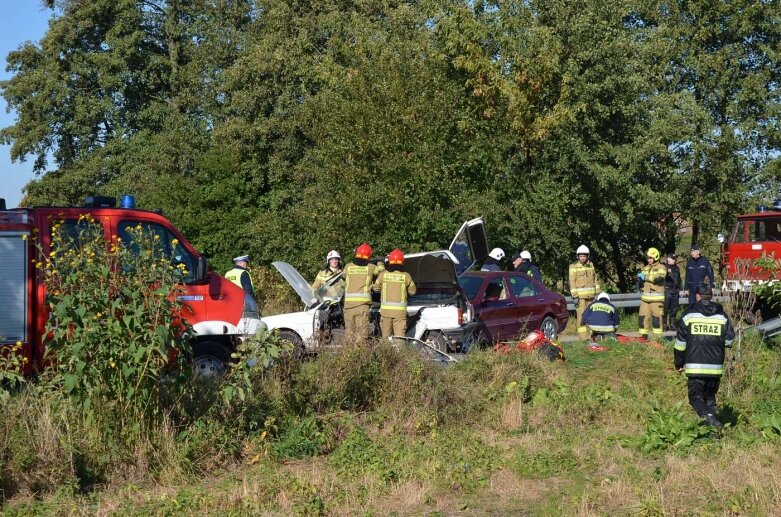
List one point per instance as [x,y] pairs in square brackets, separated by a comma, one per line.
[703,333]
[395,286]
[698,268]
[651,281]
[672,291]
[239,275]
[601,317]
[523,263]
[332,268]
[583,286]
[359,275]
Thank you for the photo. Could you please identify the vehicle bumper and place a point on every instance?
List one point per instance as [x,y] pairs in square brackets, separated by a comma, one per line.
[460,334]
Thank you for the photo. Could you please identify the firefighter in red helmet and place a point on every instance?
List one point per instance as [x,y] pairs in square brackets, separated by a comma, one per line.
[359,275]
[395,286]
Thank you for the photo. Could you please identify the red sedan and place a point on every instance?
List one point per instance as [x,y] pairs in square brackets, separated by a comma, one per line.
[510,304]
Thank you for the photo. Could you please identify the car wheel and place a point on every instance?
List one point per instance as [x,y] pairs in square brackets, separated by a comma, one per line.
[549,328]
[298,351]
[210,359]
[437,340]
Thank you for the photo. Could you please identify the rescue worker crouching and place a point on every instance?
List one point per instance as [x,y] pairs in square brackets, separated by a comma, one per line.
[239,275]
[703,333]
[601,317]
[395,286]
[583,286]
[359,276]
[332,268]
[651,282]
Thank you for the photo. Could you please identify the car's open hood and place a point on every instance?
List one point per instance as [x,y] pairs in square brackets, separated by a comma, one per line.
[297,282]
[431,268]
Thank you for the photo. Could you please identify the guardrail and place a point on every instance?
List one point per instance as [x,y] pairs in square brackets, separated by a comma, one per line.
[623,300]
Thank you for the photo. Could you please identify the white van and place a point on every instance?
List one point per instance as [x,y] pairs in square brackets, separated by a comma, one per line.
[438,314]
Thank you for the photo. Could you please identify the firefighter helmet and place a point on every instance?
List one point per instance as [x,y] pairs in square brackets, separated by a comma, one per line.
[396,257]
[333,254]
[525,255]
[583,250]
[364,251]
[603,296]
[653,253]
[497,254]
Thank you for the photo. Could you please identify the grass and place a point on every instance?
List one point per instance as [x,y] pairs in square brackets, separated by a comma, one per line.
[380,431]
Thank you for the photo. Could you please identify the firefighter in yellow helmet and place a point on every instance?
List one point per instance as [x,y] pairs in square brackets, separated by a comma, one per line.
[583,287]
[332,268]
[359,275]
[395,286]
[651,282]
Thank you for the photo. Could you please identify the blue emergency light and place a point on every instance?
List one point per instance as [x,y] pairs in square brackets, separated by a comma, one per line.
[128,201]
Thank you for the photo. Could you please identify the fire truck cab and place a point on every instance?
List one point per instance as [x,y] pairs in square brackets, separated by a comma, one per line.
[215,306]
[754,236]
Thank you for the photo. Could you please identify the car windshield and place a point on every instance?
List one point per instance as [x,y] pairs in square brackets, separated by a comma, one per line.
[470,285]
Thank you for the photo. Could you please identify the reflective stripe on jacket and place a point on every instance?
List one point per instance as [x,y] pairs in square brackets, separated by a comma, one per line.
[583,281]
[703,333]
[395,287]
[653,285]
[601,316]
[358,284]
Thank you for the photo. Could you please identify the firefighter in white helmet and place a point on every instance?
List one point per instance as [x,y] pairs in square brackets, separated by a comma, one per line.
[493,260]
[583,286]
[333,267]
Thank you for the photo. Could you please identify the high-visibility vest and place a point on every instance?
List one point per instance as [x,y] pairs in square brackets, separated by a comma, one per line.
[234,275]
[653,292]
[358,284]
[395,287]
[583,282]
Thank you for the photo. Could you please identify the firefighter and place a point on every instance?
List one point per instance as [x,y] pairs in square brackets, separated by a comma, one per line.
[651,283]
[698,268]
[672,292]
[239,275]
[492,262]
[332,268]
[359,275]
[583,286]
[703,333]
[523,263]
[601,317]
[395,286]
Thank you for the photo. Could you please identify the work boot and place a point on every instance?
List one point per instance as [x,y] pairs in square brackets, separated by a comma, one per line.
[710,420]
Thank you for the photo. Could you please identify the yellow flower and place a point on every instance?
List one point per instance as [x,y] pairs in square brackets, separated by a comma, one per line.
[175,242]
[24,236]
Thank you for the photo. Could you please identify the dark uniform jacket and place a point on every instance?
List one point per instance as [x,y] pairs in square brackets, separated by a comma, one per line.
[530,269]
[601,316]
[703,332]
[696,272]
[672,282]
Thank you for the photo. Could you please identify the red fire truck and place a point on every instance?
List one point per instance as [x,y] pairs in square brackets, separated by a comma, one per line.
[754,236]
[216,306]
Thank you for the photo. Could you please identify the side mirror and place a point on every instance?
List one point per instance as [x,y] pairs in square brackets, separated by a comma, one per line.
[202,269]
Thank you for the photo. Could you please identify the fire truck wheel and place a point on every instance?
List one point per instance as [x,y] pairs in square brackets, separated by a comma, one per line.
[210,359]
[291,337]
[549,328]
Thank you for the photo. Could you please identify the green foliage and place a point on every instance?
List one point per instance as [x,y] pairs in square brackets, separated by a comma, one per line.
[300,438]
[114,322]
[253,123]
[670,428]
[11,373]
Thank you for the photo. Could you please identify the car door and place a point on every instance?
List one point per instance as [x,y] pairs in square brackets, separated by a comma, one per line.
[497,310]
[470,245]
[530,305]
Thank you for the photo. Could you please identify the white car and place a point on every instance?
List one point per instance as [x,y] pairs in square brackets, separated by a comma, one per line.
[438,314]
